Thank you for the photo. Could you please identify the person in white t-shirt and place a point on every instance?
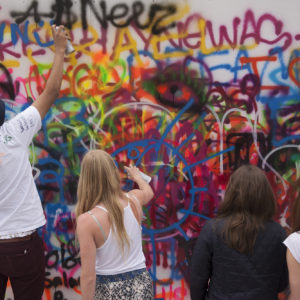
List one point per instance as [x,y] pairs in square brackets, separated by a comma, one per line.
[21,214]
[292,243]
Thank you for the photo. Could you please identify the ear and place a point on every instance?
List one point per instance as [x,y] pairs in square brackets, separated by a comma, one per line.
[2,112]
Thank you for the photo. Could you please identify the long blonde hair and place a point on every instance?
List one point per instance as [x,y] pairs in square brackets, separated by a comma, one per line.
[99,182]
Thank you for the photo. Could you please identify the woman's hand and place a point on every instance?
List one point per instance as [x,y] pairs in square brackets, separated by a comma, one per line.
[133,173]
[144,193]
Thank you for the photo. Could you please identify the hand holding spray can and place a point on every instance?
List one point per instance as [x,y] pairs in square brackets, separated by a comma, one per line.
[145,177]
[70,49]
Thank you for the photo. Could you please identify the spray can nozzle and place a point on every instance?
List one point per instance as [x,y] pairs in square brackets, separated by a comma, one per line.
[70,49]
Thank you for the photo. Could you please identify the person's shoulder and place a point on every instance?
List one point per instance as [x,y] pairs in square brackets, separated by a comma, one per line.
[83,220]
[273,232]
[211,222]
[210,225]
[26,120]
[134,194]
[293,238]
[207,232]
[275,226]
[31,111]
[216,223]
[292,242]
[88,223]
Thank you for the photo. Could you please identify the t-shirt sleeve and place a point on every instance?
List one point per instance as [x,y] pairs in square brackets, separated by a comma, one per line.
[25,125]
[293,244]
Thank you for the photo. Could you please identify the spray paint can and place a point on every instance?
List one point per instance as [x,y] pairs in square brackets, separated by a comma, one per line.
[145,177]
[70,49]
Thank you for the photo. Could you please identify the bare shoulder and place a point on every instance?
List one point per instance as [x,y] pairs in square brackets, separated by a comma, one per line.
[136,196]
[144,196]
[86,220]
[100,214]
[136,205]
[84,230]
[83,222]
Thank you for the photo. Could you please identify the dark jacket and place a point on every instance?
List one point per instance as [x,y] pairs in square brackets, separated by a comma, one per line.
[219,272]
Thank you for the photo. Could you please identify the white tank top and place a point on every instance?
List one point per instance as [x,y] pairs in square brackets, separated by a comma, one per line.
[109,257]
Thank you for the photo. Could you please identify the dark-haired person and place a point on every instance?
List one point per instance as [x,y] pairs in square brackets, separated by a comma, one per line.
[21,249]
[240,255]
[293,251]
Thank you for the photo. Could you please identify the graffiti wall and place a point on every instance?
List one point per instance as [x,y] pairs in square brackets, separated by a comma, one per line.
[185,89]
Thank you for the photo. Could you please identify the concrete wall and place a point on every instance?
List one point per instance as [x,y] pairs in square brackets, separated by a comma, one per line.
[187,90]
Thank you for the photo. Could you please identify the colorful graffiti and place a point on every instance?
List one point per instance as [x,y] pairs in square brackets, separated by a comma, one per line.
[185,96]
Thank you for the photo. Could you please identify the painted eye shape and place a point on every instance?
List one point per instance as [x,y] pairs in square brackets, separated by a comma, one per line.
[176,94]
[175,87]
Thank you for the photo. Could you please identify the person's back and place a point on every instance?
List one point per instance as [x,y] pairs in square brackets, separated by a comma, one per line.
[109,231]
[235,276]
[22,258]
[19,200]
[240,255]
[110,259]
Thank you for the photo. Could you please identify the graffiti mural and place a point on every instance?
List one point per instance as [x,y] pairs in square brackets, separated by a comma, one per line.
[187,90]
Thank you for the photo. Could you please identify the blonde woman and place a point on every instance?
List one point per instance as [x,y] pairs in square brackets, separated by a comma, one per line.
[109,231]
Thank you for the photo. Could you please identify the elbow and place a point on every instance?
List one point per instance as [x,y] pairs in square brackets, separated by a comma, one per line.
[151,194]
[87,281]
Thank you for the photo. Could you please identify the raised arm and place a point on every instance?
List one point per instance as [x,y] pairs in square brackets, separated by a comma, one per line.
[144,193]
[51,91]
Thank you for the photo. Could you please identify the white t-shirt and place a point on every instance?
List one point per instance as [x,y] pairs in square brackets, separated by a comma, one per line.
[293,244]
[20,204]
